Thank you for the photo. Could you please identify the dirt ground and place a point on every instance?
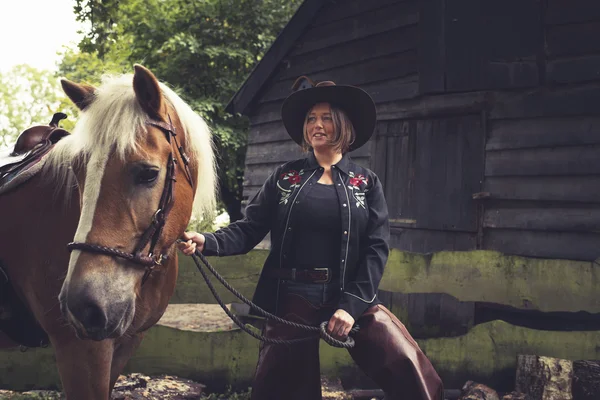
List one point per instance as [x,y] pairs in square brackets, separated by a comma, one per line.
[197,317]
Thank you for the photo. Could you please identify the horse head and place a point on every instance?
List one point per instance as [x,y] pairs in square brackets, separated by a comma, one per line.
[142,161]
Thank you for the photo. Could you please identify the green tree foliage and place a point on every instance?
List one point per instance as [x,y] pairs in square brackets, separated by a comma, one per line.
[29,96]
[203,48]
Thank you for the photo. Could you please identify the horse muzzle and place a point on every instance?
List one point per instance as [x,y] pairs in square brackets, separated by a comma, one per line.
[97,321]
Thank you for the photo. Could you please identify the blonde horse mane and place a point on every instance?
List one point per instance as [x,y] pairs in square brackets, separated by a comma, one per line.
[114,122]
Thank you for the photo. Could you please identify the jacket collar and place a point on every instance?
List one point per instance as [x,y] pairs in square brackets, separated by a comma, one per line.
[343,164]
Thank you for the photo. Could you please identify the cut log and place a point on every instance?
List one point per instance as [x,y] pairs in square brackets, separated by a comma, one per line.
[477,391]
[544,378]
[586,380]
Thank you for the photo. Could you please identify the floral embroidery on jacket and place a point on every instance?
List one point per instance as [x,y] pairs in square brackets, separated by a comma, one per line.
[354,185]
[294,178]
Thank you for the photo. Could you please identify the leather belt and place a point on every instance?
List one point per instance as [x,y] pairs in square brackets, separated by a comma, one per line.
[315,275]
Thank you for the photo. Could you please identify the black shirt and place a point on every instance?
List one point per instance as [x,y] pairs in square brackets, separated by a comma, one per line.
[316,241]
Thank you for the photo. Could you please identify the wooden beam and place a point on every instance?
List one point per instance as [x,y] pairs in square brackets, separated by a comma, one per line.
[581,219]
[557,161]
[544,244]
[547,132]
[548,188]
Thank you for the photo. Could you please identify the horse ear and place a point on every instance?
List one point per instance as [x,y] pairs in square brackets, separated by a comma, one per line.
[80,94]
[147,91]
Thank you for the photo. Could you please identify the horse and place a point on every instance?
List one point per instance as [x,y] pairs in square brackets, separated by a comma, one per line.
[89,242]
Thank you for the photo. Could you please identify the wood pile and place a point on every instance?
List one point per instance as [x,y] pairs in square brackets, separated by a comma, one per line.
[544,378]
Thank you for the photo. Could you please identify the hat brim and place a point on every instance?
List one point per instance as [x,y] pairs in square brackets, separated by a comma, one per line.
[357,104]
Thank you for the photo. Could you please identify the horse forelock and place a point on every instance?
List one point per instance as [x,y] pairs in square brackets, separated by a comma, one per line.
[112,126]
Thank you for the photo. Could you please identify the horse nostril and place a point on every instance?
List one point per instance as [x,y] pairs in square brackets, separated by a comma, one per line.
[90,315]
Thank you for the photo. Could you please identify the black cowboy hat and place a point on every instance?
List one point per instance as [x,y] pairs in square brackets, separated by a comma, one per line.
[357,104]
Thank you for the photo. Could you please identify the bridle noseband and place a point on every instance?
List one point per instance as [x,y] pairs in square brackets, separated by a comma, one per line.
[153,232]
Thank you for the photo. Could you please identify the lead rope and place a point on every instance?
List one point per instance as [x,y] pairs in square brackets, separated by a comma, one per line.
[349,343]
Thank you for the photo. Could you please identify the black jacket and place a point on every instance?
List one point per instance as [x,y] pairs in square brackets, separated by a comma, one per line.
[365,229]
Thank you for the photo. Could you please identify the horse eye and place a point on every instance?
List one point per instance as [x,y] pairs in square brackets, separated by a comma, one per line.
[146,175]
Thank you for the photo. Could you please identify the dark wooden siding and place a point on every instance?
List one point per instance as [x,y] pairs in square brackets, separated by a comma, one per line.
[542,172]
[571,55]
[488,132]
[430,169]
[371,44]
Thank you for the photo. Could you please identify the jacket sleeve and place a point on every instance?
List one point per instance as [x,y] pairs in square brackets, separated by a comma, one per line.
[242,236]
[359,294]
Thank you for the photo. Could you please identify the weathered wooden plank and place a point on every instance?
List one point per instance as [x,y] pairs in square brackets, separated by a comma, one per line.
[369,23]
[573,70]
[267,132]
[548,188]
[449,155]
[400,170]
[574,39]
[335,10]
[373,70]
[274,152]
[573,160]
[542,102]
[559,12]
[428,241]
[553,219]
[432,53]
[518,134]
[394,41]
[266,112]
[378,152]
[563,245]
[435,106]
[486,41]
[393,89]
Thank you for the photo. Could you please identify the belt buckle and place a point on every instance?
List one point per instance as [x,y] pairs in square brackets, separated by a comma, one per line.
[327,274]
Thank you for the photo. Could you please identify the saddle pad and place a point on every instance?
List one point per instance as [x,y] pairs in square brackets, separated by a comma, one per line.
[11,180]
[6,158]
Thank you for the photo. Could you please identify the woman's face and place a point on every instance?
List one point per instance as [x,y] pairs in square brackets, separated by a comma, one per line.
[319,126]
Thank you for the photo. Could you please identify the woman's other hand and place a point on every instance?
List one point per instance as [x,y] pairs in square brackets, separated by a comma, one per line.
[190,242]
[340,324]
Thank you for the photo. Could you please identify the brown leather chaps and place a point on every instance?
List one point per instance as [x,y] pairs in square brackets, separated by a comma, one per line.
[384,351]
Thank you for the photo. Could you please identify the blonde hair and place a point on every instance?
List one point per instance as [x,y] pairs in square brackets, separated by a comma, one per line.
[344,134]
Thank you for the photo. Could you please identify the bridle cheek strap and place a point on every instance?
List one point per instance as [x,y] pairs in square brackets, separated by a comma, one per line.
[152,233]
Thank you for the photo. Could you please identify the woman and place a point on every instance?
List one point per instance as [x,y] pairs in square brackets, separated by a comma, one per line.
[329,245]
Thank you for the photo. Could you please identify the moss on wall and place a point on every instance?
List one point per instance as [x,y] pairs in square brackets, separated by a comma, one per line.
[489,276]
[487,354]
[528,283]
[241,272]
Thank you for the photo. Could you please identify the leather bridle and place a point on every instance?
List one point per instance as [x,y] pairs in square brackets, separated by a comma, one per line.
[153,232]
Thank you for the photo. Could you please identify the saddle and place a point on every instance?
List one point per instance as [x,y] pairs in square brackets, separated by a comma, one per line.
[16,167]
[31,146]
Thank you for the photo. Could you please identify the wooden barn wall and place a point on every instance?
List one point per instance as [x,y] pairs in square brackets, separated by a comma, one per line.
[501,150]
[542,166]
[489,120]
[372,44]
